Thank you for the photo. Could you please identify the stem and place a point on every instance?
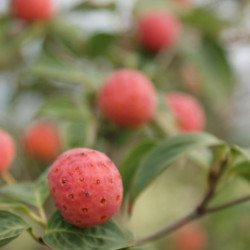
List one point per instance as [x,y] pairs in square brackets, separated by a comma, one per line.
[228,204]
[35,236]
[8,178]
[37,218]
[192,216]
[42,215]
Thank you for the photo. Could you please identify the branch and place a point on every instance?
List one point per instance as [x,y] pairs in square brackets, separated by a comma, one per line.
[35,236]
[192,216]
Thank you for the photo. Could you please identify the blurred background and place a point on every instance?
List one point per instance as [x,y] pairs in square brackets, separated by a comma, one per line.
[52,69]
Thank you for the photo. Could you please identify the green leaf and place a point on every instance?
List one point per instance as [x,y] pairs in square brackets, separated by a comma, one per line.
[11,226]
[132,161]
[165,154]
[204,20]
[215,70]
[64,108]
[55,69]
[63,236]
[100,43]
[241,167]
[90,5]
[34,193]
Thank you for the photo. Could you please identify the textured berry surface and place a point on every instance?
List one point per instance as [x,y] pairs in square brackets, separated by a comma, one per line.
[191,238]
[127,98]
[187,110]
[158,30]
[32,10]
[41,140]
[86,186]
[7,150]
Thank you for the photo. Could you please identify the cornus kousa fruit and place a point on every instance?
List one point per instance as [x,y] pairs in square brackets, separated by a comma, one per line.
[32,10]
[190,238]
[42,140]
[127,98]
[158,30]
[188,111]
[86,186]
[7,150]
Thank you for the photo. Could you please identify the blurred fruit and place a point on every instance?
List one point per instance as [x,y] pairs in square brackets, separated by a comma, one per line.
[42,140]
[158,30]
[7,150]
[190,238]
[127,98]
[188,111]
[32,10]
[86,186]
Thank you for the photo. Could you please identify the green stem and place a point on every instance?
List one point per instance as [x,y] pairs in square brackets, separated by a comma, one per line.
[35,236]
[42,215]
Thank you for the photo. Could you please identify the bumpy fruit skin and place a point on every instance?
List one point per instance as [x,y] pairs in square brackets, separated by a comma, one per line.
[7,150]
[187,110]
[32,10]
[191,238]
[158,30]
[86,186]
[42,140]
[127,98]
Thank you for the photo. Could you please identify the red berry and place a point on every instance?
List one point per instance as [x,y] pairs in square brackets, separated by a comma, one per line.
[128,98]
[158,30]
[190,238]
[86,186]
[41,140]
[7,150]
[32,10]
[187,110]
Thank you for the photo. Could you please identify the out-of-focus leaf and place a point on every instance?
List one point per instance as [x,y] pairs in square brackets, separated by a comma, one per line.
[139,248]
[104,236]
[142,6]
[90,5]
[165,154]
[11,226]
[215,70]
[100,43]
[75,134]
[131,162]
[204,20]
[62,38]
[64,108]
[34,193]
[52,68]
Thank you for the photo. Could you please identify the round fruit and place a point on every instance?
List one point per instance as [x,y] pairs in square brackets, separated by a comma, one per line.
[41,140]
[158,30]
[127,98]
[86,186]
[191,238]
[7,150]
[187,110]
[32,10]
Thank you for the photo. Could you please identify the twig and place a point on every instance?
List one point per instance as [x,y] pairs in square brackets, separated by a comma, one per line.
[228,204]
[35,236]
[166,230]
[189,218]
[42,215]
